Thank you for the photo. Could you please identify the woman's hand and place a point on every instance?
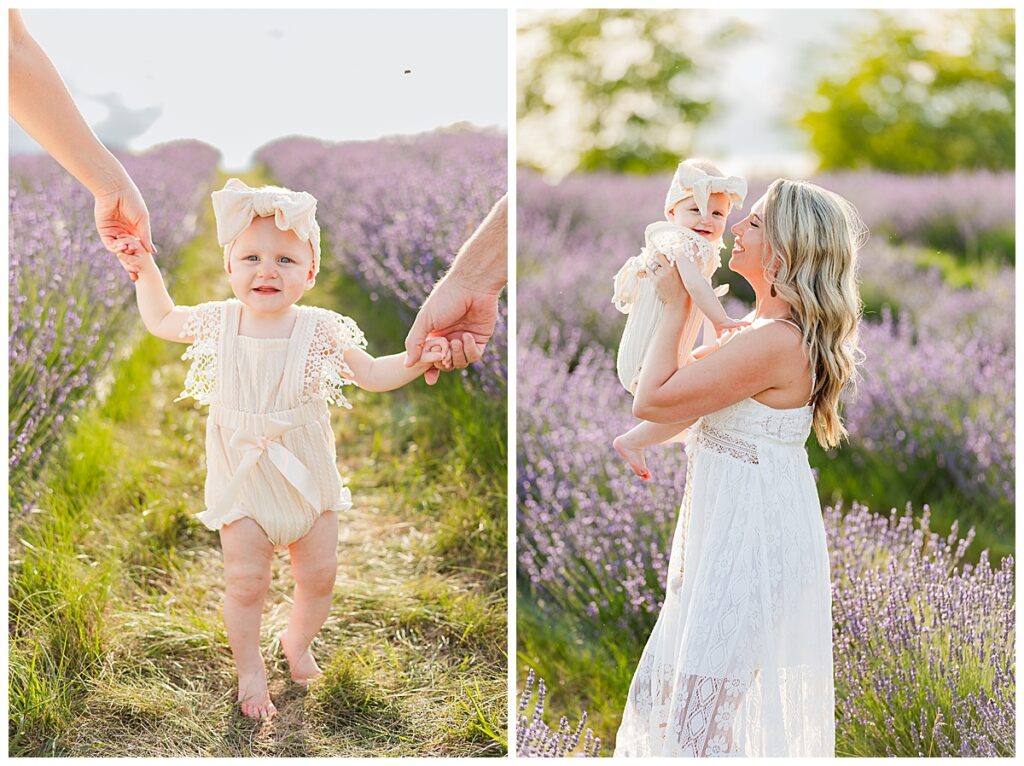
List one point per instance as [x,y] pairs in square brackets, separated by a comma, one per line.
[667,282]
[121,215]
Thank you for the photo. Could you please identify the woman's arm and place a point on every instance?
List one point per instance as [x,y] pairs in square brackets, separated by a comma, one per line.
[386,373]
[753,361]
[750,363]
[39,101]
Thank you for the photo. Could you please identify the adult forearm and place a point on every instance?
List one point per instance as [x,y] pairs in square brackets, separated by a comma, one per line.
[39,102]
[482,262]
[661,361]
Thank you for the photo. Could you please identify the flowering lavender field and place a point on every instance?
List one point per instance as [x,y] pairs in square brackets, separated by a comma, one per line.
[593,541]
[70,301]
[395,212]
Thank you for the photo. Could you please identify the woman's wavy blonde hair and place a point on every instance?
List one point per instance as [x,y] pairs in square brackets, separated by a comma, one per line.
[814,236]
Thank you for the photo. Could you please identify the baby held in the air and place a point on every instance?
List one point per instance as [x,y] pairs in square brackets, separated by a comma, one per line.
[697,205]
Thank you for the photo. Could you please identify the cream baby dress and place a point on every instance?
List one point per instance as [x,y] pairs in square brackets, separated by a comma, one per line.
[637,297]
[270,453]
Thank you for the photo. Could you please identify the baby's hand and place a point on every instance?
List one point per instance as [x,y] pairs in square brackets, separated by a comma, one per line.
[132,255]
[438,352]
[729,324]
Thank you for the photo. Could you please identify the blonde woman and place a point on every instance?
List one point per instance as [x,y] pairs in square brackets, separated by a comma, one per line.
[740,659]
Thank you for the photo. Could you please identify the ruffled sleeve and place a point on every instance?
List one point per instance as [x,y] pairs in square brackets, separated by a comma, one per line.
[204,324]
[327,373]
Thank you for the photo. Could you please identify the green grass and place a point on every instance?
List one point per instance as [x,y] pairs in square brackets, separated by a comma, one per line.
[117,643]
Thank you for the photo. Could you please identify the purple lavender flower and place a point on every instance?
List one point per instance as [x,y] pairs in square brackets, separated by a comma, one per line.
[535,739]
[70,300]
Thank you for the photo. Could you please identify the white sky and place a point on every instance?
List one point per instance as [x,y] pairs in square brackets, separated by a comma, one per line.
[238,79]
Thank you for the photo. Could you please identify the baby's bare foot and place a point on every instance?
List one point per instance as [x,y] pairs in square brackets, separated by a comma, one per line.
[632,455]
[303,667]
[253,697]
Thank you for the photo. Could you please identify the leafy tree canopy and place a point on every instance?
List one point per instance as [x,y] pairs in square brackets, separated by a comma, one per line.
[918,99]
[618,90]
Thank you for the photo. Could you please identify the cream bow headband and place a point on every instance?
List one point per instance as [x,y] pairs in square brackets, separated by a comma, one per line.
[236,205]
[690,181]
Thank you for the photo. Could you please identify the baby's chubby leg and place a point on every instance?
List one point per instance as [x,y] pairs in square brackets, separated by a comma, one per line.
[314,567]
[247,556]
[631,445]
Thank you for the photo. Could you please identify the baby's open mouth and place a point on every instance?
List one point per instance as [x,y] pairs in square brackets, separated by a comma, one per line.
[265,290]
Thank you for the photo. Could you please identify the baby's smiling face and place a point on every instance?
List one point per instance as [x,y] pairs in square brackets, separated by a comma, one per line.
[710,226]
[270,269]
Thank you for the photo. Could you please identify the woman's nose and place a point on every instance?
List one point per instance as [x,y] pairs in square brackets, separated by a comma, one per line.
[735,228]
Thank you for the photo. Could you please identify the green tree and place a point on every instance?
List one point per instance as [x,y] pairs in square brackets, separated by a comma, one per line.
[619,90]
[918,99]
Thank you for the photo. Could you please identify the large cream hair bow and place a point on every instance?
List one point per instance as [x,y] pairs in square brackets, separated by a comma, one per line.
[692,181]
[236,205]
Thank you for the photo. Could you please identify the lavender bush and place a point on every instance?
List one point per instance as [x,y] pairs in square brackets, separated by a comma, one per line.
[923,642]
[534,738]
[593,539]
[913,410]
[69,297]
[395,212]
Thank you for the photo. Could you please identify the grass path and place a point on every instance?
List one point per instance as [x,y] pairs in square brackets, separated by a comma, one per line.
[118,647]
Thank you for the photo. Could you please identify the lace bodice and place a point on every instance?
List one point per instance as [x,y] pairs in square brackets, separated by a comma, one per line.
[755,421]
[316,346]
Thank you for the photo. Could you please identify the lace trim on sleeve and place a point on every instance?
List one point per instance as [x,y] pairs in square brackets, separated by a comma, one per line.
[204,325]
[326,372]
[680,242]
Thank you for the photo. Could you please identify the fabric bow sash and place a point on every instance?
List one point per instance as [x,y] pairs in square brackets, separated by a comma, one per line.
[254,447]
[236,205]
[689,181]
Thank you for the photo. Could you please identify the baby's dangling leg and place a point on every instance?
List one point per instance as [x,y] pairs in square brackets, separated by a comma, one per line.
[631,448]
[314,567]
[247,555]
[631,445]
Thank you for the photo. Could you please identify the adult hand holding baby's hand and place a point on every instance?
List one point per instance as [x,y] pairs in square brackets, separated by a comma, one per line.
[436,351]
[132,257]
[121,215]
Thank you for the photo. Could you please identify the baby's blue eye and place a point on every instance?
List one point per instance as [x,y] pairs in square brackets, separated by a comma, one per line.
[286,259]
[252,257]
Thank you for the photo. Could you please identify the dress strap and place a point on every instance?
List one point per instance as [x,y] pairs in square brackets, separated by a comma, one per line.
[814,377]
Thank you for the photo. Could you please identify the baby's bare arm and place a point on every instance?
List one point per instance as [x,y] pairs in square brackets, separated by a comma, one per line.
[161,317]
[700,291]
[386,373]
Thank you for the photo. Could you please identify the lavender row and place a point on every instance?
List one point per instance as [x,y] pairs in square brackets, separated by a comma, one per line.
[923,643]
[396,211]
[913,410]
[69,297]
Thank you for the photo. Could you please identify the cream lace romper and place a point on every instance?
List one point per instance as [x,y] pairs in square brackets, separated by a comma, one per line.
[270,453]
[638,298]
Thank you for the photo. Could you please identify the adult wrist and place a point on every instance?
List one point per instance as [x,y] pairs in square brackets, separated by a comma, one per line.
[107,176]
[477,283]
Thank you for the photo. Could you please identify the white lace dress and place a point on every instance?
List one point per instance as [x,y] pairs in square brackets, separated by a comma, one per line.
[270,453]
[740,660]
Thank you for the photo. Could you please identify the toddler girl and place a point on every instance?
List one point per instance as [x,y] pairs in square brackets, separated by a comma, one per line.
[697,205]
[268,368]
